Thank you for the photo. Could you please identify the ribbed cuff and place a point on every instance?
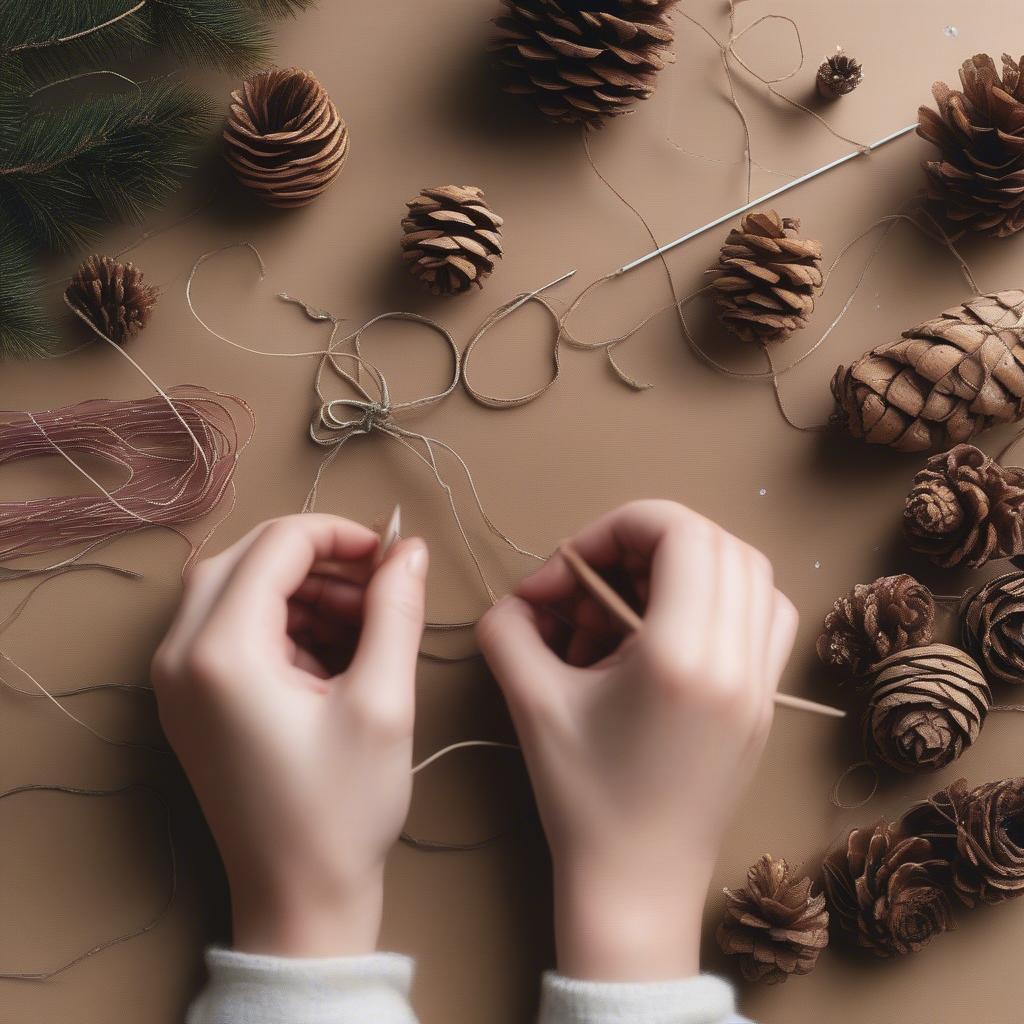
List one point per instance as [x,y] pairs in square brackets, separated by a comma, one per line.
[245,988]
[700,1000]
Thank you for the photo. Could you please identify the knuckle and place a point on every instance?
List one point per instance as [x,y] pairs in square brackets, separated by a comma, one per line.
[205,663]
[385,719]
[667,663]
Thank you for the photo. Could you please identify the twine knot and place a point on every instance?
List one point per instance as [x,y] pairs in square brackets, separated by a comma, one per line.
[342,418]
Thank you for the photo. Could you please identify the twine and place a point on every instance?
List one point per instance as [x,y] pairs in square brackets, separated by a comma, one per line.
[158,918]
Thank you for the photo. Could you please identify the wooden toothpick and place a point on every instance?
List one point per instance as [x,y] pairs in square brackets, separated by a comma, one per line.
[389,536]
[615,604]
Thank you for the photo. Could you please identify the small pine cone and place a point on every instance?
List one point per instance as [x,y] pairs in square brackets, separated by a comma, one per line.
[981,833]
[766,278]
[839,75]
[876,620]
[965,509]
[888,891]
[583,64]
[992,628]
[112,296]
[978,184]
[452,238]
[926,707]
[284,138]
[941,383]
[774,925]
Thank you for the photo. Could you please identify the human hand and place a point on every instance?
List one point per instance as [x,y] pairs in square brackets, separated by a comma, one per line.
[639,747]
[286,687]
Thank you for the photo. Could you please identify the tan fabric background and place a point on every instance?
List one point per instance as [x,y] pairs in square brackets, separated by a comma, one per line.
[410,79]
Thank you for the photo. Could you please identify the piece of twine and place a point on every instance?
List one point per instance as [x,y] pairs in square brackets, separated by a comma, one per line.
[336,421]
[153,922]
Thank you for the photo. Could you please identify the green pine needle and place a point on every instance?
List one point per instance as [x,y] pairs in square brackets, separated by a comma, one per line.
[107,158]
[279,8]
[24,328]
[229,34]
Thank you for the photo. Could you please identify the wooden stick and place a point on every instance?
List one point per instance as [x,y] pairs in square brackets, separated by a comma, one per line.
[389,536]
[617,606]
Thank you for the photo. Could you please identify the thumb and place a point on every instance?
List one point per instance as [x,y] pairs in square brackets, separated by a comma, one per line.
[521,661]
[393,610]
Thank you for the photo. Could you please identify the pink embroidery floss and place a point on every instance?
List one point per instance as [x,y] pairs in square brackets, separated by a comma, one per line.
[177,453]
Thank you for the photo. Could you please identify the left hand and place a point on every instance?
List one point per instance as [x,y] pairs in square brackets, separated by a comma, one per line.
[288,695]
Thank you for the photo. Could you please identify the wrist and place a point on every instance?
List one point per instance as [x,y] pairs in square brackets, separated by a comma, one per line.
[306,921]
[629,923]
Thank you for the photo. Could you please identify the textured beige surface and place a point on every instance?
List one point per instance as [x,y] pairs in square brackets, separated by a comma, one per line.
[407,76]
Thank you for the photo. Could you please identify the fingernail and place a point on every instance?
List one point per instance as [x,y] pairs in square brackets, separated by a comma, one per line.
[416,559]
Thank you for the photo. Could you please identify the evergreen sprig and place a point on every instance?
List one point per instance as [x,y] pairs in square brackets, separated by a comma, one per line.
[66,170]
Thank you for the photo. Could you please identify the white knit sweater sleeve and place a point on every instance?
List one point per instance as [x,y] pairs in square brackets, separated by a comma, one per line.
[247,989]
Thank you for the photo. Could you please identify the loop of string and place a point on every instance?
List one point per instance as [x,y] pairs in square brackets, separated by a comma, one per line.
[172,887]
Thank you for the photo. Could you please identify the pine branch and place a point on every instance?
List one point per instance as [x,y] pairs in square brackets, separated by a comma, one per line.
[57,37]
[108,158]
[24,327]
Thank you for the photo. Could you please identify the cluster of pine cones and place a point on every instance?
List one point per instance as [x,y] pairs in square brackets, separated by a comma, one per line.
[890,888]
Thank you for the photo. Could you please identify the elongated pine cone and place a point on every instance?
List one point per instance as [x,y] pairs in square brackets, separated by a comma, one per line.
[941,383]
[926,707]
[767,277]
[583,63]
[981,832]
[452,238]
[965,508]
[889,892]
[112,296]
[774,925]
[992,628]
[284,138]
[978,184]
[839,75]
[875,620]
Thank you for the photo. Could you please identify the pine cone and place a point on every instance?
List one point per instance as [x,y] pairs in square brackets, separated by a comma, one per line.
[112,296]
[767,278]
[992,628]
[927,706]
[284,138]
[964,508]
[876,620]
[583,64]
[452,238]
[978,184]
[774,925]
[981,832]
[888,891]
[839,75]
[943,382]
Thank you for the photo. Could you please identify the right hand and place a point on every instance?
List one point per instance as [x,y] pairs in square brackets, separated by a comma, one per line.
[639,748]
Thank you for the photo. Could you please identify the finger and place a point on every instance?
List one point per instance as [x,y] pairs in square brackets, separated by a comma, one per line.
[393,613]
[331,598]
[782,636]
[254,598]
[629,534]
[510,640]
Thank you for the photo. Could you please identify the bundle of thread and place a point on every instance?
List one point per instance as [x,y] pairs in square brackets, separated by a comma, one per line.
[890,888]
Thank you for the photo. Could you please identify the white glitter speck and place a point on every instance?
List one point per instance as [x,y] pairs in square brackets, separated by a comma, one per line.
[951,31]
[817,565]
[763,491]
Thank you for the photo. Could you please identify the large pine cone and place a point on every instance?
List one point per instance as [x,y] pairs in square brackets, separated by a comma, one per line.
[888,891]
[452,238]
[926,707]
[992,628]
[112,296]
[774,925]
[583,64]
[981,832]
[942,382]
[767,277]
[978,185]
[965,508]
[284,138]
[876,620]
